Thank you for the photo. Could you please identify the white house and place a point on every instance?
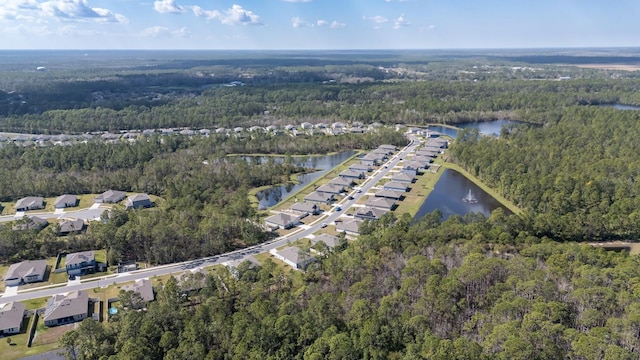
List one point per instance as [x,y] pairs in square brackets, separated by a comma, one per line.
[294,257]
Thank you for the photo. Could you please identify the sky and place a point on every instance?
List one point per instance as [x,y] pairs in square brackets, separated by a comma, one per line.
[317,24]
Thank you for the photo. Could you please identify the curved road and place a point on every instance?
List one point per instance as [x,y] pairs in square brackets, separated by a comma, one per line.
[372,179]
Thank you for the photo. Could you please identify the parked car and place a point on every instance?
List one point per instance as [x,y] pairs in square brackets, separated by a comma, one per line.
[323,225]
[350,198]
[338,208]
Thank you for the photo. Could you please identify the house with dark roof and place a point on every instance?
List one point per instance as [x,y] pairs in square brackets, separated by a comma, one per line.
[320,198]
[143,288]
[410,168]
[350,227]
[361,167]
[330,189]
[30,223]
[388,147]
[11,316]
[422,159]
[71,225]
[369,213]
[25,272]
[65,201]
[389,194]
[294,257]
[403,178]
[395,186]
[371,159]
[80,263]
[305,208]
[282,221]
[427,153]
[110,197]
[381,203]
[65,309]
[136,201]
[30,203]
[351,174]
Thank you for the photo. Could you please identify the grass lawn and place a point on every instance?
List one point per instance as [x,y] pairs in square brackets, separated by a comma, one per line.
[419,191]
[330,230]
[6,208]
[34,304]
[3,271]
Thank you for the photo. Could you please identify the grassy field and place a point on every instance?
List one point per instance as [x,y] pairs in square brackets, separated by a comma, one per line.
[18,348]
[418,194]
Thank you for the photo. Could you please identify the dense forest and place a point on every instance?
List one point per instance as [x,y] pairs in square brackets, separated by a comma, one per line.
[576,177]
[467,288]
[204,208]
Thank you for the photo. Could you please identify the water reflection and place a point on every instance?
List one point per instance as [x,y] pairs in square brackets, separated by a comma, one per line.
[451,196]
[620,106]
[486,127]
[323,164]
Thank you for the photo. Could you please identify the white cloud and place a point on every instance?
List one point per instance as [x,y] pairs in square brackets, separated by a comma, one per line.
[182,32]
[79,10]
[322,23]
[20,4]
[155,31]
[297,22]
[401,22]
[236,15]
[337,25]
[376,19]
[168,7]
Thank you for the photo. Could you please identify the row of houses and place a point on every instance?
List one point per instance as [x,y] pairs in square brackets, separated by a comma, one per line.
[30,271]
[70,200]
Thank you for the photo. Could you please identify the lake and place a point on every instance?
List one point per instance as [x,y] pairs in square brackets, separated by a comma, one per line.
[620,106]
[324,163]
[485,127]
[450,196]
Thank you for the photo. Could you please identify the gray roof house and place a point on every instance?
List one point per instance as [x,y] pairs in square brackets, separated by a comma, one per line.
[66,309]
[294,257]
[403,178]
[396,186]
[388,147]
[340,181]
[351,227]
[30,223]
[80,263]
[427,153]
[305,208]
[380,203]
[370,213]
[282,221]
[25,272]
[331,189]
[30,203]
[136,201]
[371,159]
[233,265]
[66,200]
[361,167]
[110,197]
[351,174]
[329,240]
[318,197]
[389,194]
[71,225]
[142,287]
[11,316]
[410,168]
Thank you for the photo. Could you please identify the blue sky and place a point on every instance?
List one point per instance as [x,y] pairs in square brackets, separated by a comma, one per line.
[317,24]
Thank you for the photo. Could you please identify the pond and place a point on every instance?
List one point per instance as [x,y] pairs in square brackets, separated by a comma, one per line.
[323,163]
[620,106]
[485,127]
[454,194]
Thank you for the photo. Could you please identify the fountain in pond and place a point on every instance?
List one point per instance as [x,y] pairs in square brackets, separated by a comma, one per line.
[469,198]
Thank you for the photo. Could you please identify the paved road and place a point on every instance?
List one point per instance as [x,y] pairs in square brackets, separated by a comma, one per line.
[176,268]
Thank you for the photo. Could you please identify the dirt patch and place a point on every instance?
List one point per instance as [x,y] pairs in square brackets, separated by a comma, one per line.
[51,335]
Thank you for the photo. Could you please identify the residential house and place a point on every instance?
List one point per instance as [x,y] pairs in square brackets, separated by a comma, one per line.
[282,221]
[396,186]
[294,257]
[320,198]
[306,125]
[70,225]
[403,178]
[372,159]
[422,159]
[361,167]
[338,125]
[427,153]
[142,287]
[65,309]
[388,147]
[330,189]
[30,203]
[256,129]
[381,203]
[384,154]
[187,132]
[11,316]
[356,130]
[271,128]
[30,223]
[136,201]
[238,129]
[410,168]
[110,197]
[350,227]
[205,132]
[305,209]
[329,240]
[25,272]
[369,213]
[351,174]
[233,265]
[389,194]
[321,126]
[340,181]
[65,201]
[289,127]
[80,263]
[437,143]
